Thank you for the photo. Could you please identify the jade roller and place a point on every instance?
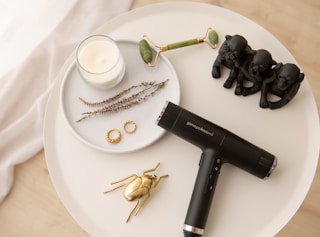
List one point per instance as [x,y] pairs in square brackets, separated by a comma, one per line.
[211,38]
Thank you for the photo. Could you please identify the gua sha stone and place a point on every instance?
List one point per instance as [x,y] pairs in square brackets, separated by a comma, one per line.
[260,69]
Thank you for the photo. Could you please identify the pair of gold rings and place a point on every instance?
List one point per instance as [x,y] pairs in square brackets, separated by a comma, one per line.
[114,135]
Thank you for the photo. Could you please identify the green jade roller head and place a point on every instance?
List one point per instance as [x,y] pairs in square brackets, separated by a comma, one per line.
[211,38]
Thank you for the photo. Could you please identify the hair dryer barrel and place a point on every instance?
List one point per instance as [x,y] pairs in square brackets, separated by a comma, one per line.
[207,135]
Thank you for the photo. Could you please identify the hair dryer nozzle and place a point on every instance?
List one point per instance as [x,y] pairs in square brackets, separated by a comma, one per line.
[168,116]
[274,165]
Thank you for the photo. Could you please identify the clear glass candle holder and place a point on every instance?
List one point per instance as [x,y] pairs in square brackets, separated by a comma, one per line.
[99,61]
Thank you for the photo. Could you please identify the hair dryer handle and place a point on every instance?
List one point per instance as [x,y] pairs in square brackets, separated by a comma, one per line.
[202,195]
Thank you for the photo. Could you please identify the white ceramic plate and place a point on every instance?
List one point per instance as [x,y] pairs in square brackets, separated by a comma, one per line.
[92,131]
[243,205]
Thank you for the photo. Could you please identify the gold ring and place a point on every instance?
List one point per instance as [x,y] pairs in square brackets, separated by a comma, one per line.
[129,127]
[115,133]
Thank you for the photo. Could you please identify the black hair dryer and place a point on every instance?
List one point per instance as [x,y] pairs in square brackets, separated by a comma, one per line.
[218,146]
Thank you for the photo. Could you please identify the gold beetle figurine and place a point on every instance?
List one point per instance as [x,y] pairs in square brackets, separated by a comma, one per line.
[138,188]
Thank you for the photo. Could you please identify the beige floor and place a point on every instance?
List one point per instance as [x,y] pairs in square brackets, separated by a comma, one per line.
[33,207]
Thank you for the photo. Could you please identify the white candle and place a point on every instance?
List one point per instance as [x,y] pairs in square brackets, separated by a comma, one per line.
[100,62]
